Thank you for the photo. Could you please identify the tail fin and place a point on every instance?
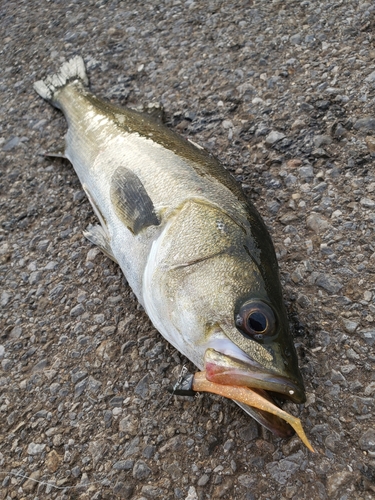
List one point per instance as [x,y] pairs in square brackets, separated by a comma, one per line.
[74,69]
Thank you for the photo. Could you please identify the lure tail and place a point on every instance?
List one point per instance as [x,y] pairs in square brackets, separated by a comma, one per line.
[71,71]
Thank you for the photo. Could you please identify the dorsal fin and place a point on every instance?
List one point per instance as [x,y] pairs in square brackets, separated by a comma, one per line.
[155,110]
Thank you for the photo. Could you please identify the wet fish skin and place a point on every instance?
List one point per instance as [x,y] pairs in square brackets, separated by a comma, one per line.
[191,245]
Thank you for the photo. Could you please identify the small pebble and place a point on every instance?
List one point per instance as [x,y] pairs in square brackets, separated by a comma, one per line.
[141,470]
[274,137]
[77,310]
[35,448]
[192,494]
[349,325]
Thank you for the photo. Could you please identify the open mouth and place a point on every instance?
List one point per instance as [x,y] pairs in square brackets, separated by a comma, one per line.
[227,371]
[223,369]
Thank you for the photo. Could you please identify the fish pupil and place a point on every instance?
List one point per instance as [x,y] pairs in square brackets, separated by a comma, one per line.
[257,322]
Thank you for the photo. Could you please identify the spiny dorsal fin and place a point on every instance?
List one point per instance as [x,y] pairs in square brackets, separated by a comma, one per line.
[155,110]
[131,202]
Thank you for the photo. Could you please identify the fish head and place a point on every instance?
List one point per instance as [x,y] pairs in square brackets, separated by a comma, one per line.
[253,347]
[227,303]
[223,306]
[247,341]
[222,293]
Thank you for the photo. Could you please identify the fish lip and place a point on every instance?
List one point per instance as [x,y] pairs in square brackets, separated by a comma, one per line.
[228,370]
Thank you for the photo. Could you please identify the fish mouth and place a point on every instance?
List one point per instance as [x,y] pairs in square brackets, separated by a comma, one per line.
[227,370]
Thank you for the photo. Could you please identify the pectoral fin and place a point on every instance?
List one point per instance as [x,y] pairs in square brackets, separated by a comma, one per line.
[131,202]
[98,236]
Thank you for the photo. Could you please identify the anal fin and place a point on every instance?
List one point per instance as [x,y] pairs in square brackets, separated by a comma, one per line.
[131,202]
[98,236]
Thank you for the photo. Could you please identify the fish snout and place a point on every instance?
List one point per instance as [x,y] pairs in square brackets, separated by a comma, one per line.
[223,369]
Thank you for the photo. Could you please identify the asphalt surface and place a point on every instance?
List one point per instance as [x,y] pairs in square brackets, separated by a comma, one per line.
[283,92]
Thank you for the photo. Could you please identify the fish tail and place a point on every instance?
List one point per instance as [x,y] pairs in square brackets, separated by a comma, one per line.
[71,71]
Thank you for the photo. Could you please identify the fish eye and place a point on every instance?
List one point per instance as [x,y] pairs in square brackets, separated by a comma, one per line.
[256,320]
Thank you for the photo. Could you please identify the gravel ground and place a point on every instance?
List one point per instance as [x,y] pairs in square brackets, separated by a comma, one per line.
[284,93]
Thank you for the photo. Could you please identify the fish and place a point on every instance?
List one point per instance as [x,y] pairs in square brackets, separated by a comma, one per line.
[192,246]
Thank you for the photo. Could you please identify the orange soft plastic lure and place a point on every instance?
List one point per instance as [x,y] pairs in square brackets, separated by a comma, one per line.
[251,398]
